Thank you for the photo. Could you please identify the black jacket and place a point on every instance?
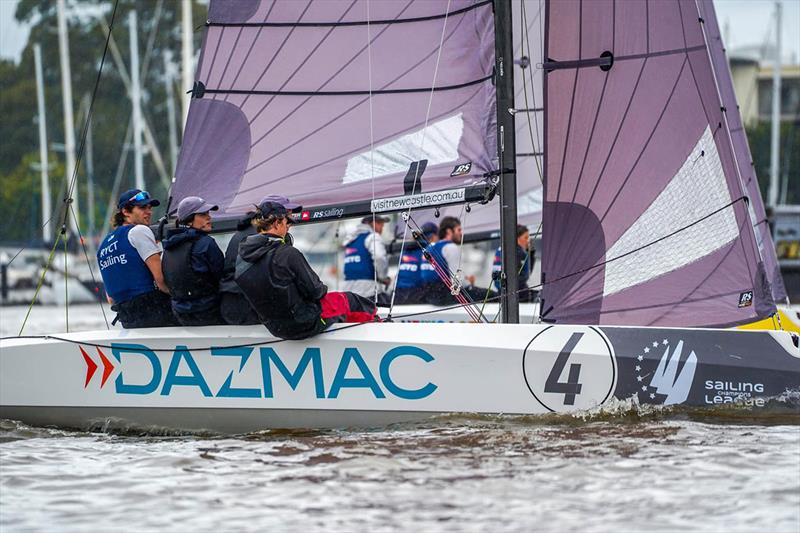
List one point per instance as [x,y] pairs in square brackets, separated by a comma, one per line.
[227,283]
[192,263]
[281,286]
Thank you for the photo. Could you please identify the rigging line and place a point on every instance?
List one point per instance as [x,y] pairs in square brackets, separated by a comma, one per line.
[421,146]
[640,248]
[523,39]
[349,23]
[41,281]
[345,112]
[66,283]
[91,272]
[410,90]
[89,113]
[531,77]
[372,156]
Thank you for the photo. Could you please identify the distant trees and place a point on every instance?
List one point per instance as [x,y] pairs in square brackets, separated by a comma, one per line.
[159,30]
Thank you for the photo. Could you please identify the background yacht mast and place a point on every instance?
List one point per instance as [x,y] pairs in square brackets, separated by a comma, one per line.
[186,58]
[774,181]
[69,122]
[47,234]
[136,100]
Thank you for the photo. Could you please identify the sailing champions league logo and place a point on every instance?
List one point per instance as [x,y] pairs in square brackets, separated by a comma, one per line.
[570,368]
[669,379]
[268,375]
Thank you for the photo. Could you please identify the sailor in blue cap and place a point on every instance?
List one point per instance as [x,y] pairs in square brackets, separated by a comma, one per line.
[130,263]
[193,264]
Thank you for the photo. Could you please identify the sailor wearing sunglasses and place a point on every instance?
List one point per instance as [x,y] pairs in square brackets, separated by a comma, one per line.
[130,263]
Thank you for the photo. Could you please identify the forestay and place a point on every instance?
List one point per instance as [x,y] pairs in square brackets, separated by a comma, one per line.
[645,216]
[290,96]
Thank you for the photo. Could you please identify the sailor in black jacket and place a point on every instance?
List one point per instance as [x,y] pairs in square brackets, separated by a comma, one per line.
[192,264]
[282,287]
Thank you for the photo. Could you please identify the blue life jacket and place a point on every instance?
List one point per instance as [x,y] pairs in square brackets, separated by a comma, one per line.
[523,260]
[429,275]
[357,259]
[125,274]
[409,276]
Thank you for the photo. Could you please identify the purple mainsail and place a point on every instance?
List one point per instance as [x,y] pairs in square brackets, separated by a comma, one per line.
[645,216]
[306,98]
[742,150]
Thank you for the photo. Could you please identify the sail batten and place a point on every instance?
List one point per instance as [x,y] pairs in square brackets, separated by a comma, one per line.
[645,219]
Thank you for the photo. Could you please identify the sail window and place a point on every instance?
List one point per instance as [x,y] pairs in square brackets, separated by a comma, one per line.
[698,189]
[441,140]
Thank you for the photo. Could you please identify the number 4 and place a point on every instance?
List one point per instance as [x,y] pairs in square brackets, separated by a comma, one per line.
[571,388]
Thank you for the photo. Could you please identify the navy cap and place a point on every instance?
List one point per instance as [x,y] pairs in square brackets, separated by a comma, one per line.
[378,218]
[284,202]
[192,205]
[429,228]
[136,197]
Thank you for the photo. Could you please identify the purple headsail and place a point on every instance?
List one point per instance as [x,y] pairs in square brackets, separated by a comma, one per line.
[331,101]
[645,216]
[742,150]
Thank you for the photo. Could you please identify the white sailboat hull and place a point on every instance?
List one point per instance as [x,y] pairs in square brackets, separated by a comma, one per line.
[240,379]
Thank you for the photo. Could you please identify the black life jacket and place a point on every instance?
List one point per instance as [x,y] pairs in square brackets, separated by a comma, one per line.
[183,281]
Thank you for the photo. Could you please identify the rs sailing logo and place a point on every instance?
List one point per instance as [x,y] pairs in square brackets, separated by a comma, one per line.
[668,381]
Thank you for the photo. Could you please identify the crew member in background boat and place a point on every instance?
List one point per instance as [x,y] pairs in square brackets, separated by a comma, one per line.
[526,257]
[192,263]
[447,255]
[130,263]
[234,307]
[410,288]
[364,256]
[282,287]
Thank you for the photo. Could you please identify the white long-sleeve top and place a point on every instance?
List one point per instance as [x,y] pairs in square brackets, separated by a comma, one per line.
[377,249]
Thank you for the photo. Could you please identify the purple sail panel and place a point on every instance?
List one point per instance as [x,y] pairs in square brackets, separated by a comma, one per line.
[741,149]
[335,109]
[528,30]
[645,217]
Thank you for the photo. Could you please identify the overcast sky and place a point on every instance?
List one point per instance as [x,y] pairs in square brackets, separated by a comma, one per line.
[743,22]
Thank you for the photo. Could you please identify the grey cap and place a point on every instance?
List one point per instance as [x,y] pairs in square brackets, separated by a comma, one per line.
[378,218]
[192,205]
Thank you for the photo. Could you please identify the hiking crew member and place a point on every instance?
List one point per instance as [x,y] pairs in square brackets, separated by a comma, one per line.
[524,260]
[365,254]
[280,285]
[410,287]
[130,263]
[192,263]
[234,307]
